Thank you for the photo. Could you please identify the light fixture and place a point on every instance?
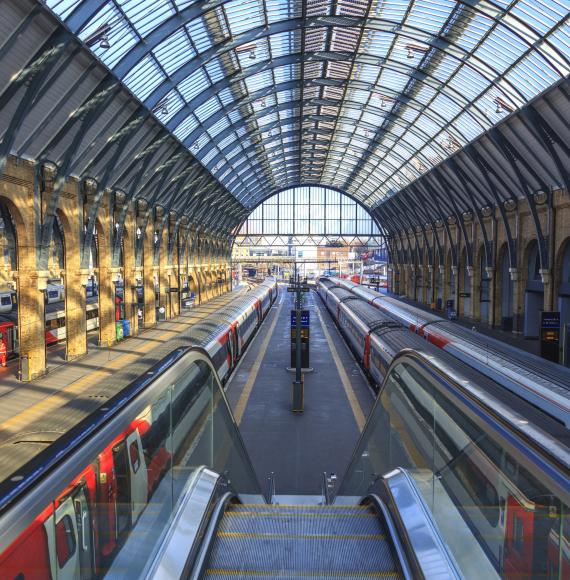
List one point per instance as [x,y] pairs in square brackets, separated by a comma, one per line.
[252,54]
[499,109]
[410,53]
[164,110]
[263,103]
[104,43]
[196,147]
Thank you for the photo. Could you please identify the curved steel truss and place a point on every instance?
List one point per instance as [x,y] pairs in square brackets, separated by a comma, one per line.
[363,96]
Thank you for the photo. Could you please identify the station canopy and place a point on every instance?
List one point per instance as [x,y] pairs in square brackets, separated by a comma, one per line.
[365,97]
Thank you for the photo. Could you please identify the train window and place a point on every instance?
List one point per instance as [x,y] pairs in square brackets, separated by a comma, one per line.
[64,540]
[6,301]
[135,456]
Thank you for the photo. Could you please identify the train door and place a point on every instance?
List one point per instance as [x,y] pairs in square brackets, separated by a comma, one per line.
[66,548]
[230,344]
[84,532]
[123,507]
[138,475]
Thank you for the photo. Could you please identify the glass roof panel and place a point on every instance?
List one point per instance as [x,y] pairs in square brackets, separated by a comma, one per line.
[397,85]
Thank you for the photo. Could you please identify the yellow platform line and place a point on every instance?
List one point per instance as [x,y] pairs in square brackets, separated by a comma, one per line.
[300,507]
[301,574]
[297,515]
[303,536]
[246,393]
[55,401]
[351,395]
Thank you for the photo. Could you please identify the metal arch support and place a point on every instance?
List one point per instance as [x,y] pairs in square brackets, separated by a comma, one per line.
[92,108]
[401,230]
[512,157]
[401,201]
[131,195]
[434,195]
[456,170]
[172,24]
[34,76]
[275,89]
[485,169]
[549,136]
[297,58]
[417,197]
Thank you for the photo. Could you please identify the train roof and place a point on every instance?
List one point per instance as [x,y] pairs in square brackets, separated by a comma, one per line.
[371,316]
[342,293]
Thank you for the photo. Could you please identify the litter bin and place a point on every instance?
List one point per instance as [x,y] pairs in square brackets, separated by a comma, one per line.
[119,329]
[161,313]
[126,328]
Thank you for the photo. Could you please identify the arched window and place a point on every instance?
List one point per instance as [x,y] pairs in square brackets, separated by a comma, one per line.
[313,215]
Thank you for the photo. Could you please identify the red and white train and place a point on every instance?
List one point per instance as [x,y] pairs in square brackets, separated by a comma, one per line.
[542,383]
[78,535]
[502,503]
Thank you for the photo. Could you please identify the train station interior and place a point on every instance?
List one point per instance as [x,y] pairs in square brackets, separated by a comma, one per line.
[284,289]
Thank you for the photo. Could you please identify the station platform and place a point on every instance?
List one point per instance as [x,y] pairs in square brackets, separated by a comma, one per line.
[82,386]
[299,447]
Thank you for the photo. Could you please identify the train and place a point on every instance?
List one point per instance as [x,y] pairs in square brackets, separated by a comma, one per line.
[80,533]
[513,529]
[540,382]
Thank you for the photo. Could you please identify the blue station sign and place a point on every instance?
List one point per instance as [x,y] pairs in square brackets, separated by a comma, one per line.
[305,319]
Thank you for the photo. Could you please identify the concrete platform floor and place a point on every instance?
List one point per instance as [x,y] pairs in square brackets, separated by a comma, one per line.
[299,447]
[34,414]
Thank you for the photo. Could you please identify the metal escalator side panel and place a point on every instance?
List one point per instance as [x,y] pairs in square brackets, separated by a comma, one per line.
[418,528]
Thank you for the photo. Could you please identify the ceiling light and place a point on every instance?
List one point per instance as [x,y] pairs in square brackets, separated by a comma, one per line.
[164,110]
[104,44]
[410,53]
[499,109]
[252,55]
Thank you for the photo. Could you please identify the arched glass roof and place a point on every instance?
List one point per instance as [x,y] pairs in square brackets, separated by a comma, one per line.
[361,96]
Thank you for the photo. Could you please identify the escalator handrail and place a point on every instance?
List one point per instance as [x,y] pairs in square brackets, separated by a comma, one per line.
[394,534]
[554,458]
[418,527]
[207,540]
[175,555]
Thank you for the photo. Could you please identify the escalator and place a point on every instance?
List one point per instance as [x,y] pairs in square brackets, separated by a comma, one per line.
[445,482]
[296,541]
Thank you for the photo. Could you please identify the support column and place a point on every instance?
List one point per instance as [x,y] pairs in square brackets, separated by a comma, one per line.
[516,298]
[31,309]
[548,303]
[148,277]
[107,332]
[471,274]
[75,290]
[492,293]
[163,278]
[129,271]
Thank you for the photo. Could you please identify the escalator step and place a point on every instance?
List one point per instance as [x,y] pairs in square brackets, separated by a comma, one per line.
[262,575]
[307,509]
[301,523]
[302,554]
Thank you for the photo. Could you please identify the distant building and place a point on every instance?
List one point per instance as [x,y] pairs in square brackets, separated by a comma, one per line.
[339,254]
